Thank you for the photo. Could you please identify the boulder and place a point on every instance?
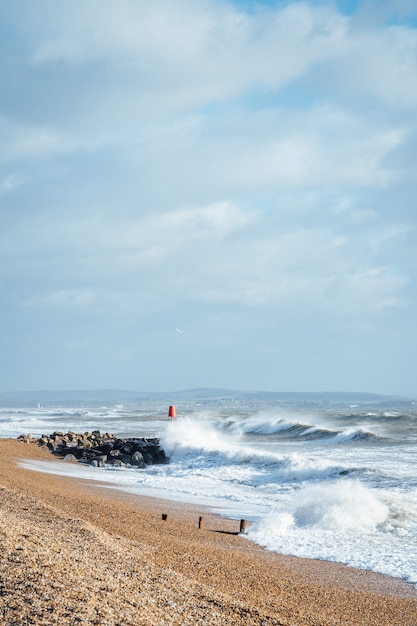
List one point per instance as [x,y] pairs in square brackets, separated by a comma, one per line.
[70,457]
[137,457]
[127,448]
[97,450]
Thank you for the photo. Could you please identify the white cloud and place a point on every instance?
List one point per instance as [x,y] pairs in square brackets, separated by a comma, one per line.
[21,141]
[183,158]
[190,53]
[218,253]
[11,182]
[381,63]
[387,237]
[212,51]
[199,37]
[160,57]
[153,237]
[325,145]
[378,287]
[362,216]
[213,221]
[63,299]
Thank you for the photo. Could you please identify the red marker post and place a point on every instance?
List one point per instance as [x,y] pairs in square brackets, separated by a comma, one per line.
[172,412]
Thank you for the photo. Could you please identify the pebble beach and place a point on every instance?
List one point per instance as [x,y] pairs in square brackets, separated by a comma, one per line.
[75,552]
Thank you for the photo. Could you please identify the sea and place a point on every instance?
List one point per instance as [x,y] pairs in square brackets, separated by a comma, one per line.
[331,481]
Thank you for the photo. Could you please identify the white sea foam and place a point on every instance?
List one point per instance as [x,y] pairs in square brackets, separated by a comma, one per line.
[332,508]
[314,486]
[348,523]
[197,444]
[302,426]
[270,423]
[349,434]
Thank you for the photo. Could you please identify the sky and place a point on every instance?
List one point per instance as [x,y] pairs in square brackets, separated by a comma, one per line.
[208,193]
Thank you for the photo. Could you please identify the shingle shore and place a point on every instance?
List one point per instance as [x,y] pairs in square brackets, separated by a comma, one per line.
[75,553]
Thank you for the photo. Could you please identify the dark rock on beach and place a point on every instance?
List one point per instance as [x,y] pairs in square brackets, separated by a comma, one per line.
[98,449]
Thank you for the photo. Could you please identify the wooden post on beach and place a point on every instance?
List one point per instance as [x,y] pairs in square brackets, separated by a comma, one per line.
[200,522]
[242,526]
[164,517]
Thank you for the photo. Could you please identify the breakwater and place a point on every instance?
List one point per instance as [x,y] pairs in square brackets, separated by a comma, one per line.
[98,449]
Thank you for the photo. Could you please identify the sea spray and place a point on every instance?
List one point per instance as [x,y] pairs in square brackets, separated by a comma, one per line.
[185,435]
[197,444]
[294,426]
[328,508]
[342,521]
[336,484]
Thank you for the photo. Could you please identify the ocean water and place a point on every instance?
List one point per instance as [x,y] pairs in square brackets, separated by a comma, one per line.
[338,484]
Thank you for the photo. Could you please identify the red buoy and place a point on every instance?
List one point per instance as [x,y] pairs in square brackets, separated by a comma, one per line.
[171,412]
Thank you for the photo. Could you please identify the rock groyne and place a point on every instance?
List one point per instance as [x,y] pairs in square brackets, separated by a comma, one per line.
[97,449]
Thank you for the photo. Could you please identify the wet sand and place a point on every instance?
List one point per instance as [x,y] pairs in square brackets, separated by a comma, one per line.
[73,552]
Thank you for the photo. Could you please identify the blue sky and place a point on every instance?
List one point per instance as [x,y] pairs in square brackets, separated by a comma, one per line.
[208,193]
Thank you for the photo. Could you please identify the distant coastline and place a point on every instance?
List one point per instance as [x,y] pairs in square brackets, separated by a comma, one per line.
[209,396]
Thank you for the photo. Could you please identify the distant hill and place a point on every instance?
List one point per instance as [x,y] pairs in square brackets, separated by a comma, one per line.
[209,396]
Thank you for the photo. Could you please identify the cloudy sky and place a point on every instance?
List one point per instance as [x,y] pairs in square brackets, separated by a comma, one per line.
[208,193]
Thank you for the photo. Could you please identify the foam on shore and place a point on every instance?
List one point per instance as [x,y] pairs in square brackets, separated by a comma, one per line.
[74,552]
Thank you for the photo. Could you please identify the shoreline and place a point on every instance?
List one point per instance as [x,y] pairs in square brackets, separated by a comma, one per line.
[127,566]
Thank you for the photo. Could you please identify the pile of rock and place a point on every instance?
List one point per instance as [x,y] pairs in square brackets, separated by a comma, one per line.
[97,449]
